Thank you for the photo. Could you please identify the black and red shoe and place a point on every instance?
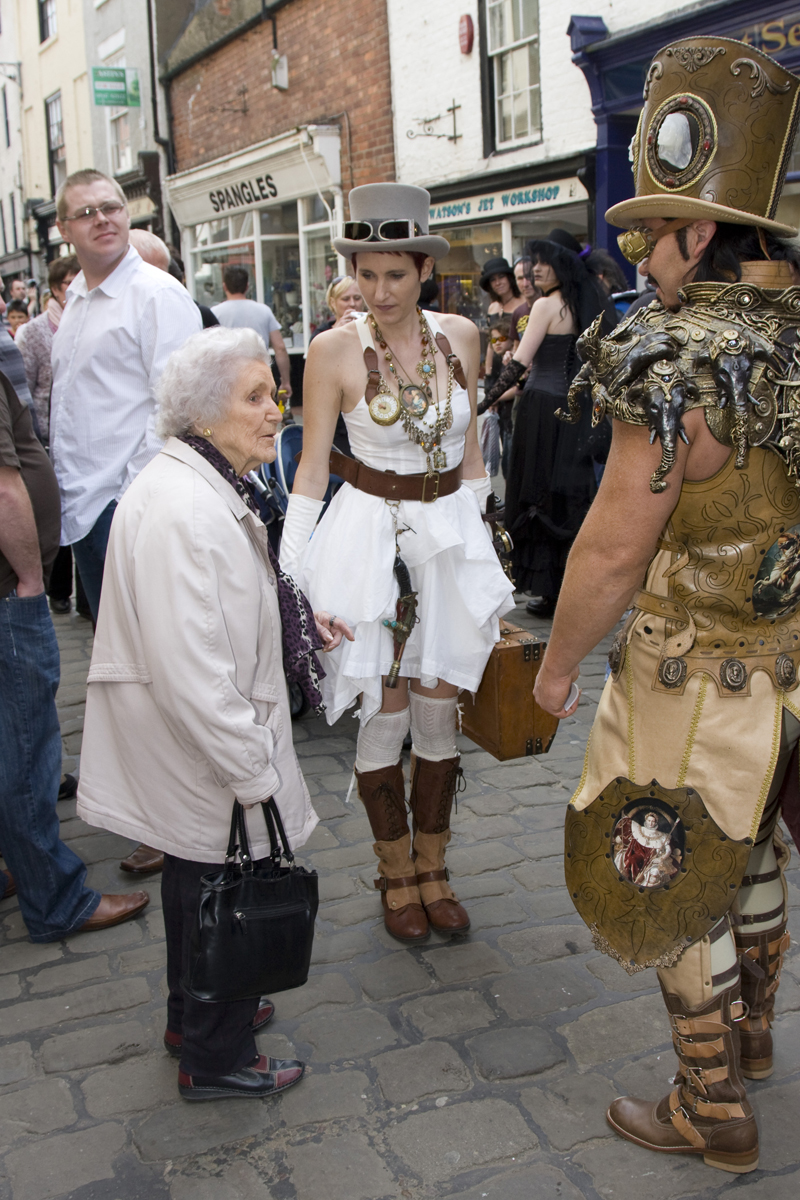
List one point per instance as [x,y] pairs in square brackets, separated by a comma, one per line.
[263,1077]
[173,1042]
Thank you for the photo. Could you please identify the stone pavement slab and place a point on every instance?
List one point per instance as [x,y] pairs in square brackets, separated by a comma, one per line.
[478,1067]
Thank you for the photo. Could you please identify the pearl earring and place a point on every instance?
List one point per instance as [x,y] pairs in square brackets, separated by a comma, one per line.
[207,432]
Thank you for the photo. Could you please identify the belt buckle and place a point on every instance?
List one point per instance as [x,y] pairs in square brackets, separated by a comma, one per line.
[435,476]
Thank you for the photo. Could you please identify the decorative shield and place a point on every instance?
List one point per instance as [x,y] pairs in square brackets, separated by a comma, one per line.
[650,871]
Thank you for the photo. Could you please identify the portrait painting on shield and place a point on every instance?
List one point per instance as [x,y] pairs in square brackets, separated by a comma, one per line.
[776,590]
[649,843]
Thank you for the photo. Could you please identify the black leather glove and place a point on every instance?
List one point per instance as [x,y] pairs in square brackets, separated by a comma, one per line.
[509,377]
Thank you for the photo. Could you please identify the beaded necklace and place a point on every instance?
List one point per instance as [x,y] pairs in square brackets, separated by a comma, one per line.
[414,400]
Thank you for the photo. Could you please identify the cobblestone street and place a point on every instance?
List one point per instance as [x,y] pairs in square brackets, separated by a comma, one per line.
[478,1067]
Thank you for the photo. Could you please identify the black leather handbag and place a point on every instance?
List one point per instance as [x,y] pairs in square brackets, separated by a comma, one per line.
[254,927]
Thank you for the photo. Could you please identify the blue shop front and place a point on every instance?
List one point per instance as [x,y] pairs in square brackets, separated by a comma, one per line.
[615,66]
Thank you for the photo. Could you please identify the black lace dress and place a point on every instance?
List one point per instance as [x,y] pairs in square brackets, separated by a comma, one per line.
[551,478]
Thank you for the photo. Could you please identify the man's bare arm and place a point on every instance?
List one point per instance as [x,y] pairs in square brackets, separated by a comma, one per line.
[610,556]
[19,540]
[282,359]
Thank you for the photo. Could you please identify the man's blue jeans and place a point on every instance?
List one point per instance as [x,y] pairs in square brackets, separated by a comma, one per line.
[90,555]
[50,878]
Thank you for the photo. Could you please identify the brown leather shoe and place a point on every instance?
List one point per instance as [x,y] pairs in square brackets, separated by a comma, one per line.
[445,913]
[9,886]
[144,861]
[113,910]
[406,922]
[707,1111]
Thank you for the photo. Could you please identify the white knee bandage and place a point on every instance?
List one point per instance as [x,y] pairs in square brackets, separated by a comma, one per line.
[380,740]
[433,727]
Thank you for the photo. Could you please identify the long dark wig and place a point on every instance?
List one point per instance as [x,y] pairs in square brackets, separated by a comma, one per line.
[581,290]
[732,245]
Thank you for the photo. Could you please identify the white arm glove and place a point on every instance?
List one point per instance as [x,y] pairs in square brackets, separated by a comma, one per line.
[298,525]
[482,489]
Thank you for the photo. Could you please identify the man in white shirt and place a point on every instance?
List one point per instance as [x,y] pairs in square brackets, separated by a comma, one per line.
[123,318]
[237,312]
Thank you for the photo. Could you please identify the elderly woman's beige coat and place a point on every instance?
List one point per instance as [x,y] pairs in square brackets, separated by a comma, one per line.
[187,703]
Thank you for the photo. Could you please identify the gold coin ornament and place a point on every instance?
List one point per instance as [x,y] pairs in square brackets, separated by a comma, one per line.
[414,401]
[384,409]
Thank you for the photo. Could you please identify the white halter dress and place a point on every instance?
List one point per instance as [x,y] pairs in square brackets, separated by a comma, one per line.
[347,568]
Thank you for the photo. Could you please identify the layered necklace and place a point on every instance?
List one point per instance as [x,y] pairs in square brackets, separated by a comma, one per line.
[414,399]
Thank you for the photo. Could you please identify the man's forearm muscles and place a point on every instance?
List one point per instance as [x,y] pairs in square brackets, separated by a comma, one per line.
[19,540]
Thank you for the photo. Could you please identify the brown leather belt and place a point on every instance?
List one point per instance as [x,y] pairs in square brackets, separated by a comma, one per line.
[390,486]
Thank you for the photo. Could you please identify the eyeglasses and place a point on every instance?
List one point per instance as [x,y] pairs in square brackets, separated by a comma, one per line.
[110,209]
[381,231]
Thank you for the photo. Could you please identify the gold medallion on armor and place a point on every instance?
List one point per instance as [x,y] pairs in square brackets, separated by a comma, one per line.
[649,871]
[414,401]
[776,590]
[384,408]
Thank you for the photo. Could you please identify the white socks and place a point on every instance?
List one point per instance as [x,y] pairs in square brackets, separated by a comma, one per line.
[380,740]
[433,727]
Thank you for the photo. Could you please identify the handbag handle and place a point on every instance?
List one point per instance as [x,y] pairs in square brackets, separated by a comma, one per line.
[239,840]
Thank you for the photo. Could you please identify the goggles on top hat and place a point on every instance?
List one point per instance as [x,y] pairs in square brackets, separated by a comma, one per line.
[639,242]
[381,231]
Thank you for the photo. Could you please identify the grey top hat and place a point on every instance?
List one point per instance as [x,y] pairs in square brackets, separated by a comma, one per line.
[379,202]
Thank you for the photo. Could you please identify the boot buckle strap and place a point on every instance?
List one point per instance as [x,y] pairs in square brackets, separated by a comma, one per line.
[434,876]
[718,1112]
[682,1122]
[688,1025]
[691,1049]
[404,881]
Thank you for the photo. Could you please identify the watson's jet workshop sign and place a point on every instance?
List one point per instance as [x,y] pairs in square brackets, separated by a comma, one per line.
[116,87]
[506,203]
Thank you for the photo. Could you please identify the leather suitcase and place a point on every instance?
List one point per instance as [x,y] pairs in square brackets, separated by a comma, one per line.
[504,718]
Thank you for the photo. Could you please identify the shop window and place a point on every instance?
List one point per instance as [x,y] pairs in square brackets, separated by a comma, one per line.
[278,220]
[323,268]
[458,274]
[209,263]
[513,67]
[56,149]
[282,292]
[48,26]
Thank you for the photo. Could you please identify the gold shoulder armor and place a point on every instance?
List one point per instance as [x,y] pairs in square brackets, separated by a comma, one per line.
[732,349]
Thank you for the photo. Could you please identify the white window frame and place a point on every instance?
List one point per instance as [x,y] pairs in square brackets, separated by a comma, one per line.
[113,116]
[495,56]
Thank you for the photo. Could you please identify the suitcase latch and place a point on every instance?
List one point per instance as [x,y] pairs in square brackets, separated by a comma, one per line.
[530,649]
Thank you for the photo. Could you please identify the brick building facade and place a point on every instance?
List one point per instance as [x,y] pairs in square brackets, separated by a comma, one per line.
[276,111]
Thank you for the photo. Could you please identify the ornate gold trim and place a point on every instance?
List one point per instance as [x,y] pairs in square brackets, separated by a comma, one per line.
[665,960]
[585,772]
[695,721]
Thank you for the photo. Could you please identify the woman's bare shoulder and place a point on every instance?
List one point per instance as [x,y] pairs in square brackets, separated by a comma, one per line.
[331,344]
[451,323]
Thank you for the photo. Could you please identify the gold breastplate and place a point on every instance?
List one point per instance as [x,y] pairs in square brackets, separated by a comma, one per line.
[726,579]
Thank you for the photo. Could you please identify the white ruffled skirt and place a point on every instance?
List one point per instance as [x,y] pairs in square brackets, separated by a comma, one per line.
[347,569]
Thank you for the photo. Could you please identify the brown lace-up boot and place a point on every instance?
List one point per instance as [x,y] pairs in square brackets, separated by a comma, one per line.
[707,1112]
[433,787]
[383,796]
[761,957]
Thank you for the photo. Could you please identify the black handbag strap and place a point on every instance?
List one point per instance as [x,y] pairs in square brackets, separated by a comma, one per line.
[239,842]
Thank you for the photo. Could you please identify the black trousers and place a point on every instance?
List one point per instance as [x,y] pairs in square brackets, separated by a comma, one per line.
[60,586]
[217,1038]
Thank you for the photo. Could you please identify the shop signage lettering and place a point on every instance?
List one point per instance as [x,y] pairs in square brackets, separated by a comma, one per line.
[774,36]
[498,204]
[241,195]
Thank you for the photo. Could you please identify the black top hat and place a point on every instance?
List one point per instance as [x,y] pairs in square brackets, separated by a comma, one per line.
[496,266]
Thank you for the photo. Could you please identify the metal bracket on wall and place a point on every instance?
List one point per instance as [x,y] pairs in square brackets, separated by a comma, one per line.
[428,122]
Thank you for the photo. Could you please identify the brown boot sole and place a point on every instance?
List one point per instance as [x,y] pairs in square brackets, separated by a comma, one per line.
[448,928]
[757,1068]
[737,1164]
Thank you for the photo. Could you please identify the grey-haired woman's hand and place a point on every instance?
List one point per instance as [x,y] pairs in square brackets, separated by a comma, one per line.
[332,629]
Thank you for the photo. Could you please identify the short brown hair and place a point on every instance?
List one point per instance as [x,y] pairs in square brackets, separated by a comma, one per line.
[235,278]
[82,179]
[60,268]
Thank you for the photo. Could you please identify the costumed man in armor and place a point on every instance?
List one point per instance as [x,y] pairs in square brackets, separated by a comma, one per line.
[694,530]
[401,562]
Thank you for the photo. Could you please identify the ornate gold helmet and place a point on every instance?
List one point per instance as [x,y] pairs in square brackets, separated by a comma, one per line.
[714,138]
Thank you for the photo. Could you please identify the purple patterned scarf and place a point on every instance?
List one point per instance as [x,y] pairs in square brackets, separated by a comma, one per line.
[299,630]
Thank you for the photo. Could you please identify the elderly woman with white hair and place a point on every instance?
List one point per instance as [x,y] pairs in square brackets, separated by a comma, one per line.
[187,703]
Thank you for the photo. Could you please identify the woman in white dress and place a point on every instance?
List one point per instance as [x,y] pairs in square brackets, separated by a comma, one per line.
[406,385]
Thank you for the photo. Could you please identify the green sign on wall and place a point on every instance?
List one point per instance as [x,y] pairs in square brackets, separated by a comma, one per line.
[117,87]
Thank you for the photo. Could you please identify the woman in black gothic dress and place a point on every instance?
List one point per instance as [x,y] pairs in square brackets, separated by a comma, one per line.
[551,479]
